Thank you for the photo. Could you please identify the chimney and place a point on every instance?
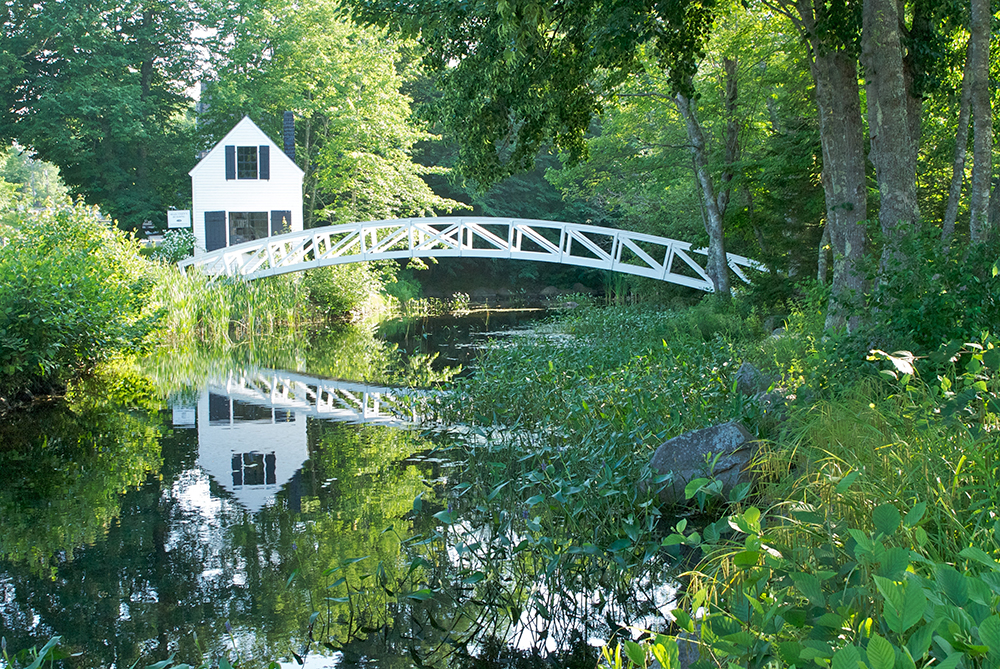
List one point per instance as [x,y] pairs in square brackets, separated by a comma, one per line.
[288,134]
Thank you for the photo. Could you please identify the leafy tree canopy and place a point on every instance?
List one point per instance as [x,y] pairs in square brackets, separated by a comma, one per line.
[355,129]
[517,74]
[97,87]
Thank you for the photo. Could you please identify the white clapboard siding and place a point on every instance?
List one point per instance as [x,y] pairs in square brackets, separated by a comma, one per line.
[211,191]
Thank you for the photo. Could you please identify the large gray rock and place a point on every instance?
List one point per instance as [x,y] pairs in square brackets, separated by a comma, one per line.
[750,380]
[685,456]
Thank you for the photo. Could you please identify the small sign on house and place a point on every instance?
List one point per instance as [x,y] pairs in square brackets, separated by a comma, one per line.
[246,188]
[178,219]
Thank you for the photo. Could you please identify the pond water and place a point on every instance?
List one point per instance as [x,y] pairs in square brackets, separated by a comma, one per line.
[283,503]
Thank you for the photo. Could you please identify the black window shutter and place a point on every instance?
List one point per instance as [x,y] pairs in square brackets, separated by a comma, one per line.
[279,219]
[215,230]
[264,161]
[230,162]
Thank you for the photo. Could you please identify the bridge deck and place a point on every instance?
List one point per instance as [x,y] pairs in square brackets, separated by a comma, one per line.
[469,237]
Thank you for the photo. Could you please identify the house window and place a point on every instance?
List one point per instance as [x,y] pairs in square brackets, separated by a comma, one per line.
[245,226]
[253,468]
[246,162]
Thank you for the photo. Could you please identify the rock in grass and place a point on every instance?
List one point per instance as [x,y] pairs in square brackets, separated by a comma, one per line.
[686,456]
[750,380]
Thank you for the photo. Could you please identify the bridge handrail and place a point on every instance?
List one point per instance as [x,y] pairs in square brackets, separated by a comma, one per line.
[578,244]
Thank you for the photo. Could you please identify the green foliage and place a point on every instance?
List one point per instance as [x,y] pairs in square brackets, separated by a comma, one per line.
[503,103]
[104,99]
[932,294]
[36,182]
[72,292]
[354,133]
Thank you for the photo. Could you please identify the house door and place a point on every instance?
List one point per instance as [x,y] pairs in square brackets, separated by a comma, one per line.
[215,230]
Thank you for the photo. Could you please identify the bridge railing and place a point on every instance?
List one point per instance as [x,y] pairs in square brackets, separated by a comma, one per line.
[470,237]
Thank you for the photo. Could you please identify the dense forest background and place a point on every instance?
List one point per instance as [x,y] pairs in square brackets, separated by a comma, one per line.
[819,138]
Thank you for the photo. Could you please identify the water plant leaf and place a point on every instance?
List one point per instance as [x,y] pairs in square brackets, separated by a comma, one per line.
[224,662]
[474,578]
[421,595]
[536,499]
[619,544]
[445,517]
[881,654]
[162,664]
[886,518]
[350,561]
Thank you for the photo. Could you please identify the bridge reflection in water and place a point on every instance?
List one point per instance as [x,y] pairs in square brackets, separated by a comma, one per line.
[252,424]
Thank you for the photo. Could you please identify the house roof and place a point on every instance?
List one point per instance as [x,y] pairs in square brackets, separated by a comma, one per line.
[241,129]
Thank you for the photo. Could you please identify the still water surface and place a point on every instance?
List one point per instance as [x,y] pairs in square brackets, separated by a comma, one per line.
[249,505]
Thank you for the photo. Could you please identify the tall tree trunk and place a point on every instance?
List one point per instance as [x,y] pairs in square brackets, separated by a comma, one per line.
[961,147]
[821,264]
[730,97]
[718,267]
[838,99]
[892,145]
[982,121]
[842,139]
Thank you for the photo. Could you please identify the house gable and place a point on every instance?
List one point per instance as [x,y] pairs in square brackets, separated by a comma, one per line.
[245,188]
[245,133]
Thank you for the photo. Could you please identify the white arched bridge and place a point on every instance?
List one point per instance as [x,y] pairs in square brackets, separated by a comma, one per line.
[469,237]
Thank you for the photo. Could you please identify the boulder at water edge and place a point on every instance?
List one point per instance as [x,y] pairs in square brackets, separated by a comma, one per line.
[685,456]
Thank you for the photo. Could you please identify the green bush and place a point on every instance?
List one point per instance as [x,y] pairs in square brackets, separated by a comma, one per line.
[72,292]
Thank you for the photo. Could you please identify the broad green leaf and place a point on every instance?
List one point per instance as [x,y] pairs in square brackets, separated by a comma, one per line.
[666,652]
[635,653]
[894,562]
[693,486]
[914,604]
[809,585]
[620,544]
[532,501]
[915,515]
[683,620]
[886,518]
[881,654]
[848,657]
[746,559]
[474,578]
[951,584]
[421,595]
[980,556]
[846,482]
[446,517]
[989,632]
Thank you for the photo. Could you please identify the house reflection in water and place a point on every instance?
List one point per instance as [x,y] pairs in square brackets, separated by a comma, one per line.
[250,450]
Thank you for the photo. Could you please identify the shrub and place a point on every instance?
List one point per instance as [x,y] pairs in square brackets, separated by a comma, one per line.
[72,291]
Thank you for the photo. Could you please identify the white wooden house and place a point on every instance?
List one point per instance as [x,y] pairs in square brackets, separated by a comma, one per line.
[245,188]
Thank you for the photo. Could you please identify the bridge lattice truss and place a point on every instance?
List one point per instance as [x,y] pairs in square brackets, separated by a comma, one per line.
[330,399]
[469,237]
